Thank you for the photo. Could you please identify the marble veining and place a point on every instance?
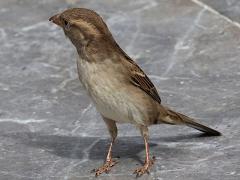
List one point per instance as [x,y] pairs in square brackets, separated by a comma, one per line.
[49,128]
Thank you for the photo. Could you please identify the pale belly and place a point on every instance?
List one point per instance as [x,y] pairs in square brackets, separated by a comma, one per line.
[111,99]
[115,106]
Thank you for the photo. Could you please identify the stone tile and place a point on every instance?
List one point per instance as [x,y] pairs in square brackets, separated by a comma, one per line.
[229,8]
[49,128]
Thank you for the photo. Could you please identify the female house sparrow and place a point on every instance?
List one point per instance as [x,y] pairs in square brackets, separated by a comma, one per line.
[120,90]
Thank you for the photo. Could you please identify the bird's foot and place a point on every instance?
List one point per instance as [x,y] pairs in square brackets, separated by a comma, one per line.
[145,168]
[105,167]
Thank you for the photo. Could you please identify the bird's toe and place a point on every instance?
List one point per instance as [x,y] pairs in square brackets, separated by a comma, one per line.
[105,167]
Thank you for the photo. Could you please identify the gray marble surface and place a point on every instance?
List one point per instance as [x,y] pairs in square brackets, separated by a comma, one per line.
[228,8]
[50,130]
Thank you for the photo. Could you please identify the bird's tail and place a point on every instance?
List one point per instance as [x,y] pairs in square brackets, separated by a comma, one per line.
[171,117]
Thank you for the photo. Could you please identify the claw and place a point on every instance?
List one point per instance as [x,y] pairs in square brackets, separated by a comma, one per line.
[145,168]
[105,167]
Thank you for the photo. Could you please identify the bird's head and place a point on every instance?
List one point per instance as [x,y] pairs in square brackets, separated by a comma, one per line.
[81,26]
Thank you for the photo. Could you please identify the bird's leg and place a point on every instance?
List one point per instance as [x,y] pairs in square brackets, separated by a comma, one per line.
[148,161]
[109,162]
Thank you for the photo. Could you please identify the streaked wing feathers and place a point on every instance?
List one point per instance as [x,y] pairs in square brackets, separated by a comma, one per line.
[140,79]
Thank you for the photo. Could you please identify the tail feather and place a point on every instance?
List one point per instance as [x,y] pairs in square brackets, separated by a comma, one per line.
[172,117]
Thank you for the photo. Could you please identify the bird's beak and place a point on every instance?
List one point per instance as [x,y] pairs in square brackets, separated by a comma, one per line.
[56,20]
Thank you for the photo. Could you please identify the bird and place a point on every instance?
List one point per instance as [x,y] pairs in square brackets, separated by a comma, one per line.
[118,87]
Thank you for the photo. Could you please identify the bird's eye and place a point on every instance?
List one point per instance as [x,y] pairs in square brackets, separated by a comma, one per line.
[66,25]
[65,22]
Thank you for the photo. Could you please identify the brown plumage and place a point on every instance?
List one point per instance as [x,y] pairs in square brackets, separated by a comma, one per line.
[119,88]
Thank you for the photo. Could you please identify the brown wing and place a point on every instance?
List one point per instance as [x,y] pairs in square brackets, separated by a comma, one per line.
[140,79]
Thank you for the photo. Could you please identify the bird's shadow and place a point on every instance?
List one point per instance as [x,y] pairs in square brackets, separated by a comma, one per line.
[77,147]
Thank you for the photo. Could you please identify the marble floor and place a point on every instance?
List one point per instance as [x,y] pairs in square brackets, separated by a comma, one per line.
[50,130]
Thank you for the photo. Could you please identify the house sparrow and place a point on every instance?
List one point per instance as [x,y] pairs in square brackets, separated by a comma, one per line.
[118,87]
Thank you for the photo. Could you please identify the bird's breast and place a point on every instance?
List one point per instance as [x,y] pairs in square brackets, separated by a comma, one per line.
[106,87]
